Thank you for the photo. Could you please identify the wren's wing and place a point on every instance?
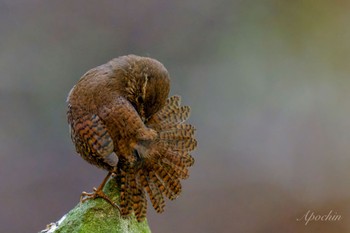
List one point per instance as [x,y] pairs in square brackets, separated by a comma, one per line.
[91,138]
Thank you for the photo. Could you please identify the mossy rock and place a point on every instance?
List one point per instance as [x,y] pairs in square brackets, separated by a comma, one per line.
[98,216]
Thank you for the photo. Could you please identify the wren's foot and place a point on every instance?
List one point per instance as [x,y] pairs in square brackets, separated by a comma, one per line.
[97,193]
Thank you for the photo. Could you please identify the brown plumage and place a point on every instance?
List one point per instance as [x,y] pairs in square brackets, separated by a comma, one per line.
[122,120]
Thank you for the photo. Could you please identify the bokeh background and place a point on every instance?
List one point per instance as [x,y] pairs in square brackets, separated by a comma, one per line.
[268,83]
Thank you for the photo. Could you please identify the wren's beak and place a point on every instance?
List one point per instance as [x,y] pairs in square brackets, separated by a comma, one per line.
[140,110]
[142,113]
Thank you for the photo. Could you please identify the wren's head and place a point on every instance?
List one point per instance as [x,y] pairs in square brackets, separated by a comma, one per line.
[143,81]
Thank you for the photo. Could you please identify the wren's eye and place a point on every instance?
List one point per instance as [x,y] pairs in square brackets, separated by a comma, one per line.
[140,100]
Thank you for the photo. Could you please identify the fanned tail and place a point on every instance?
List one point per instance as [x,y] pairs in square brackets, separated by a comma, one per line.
[162,163]
[172,149]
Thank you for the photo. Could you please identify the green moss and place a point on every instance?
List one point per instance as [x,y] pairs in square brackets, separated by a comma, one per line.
[98,216]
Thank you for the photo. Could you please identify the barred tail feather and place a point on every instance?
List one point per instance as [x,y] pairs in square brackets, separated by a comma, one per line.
[136,194]
[153,191]
[171,183]
[178,158]
[141,211]
[177,132]
[125,201]
[178,171]
[179,145]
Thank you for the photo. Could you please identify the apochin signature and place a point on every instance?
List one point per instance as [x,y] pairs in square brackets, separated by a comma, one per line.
[311,216]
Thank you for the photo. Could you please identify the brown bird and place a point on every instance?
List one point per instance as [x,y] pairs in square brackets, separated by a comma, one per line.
[122,120]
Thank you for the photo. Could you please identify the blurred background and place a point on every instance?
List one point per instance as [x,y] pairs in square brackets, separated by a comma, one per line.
[268,83]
